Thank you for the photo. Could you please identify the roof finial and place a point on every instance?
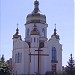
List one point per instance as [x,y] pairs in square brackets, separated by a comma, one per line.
[55,34]
[17,30]
[55,25]
[71,55]
[36,4]
[16,35]
[17,25]
[55,30]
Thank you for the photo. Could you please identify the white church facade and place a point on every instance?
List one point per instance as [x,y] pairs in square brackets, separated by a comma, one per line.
[36,54]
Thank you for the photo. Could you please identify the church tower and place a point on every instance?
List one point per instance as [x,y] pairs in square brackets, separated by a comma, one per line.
[36,55]
[55,49]
[38,19]
[20,57]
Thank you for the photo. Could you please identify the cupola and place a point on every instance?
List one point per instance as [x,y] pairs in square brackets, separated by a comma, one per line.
[16,35]
[55,33]
[36,16]
[35,31]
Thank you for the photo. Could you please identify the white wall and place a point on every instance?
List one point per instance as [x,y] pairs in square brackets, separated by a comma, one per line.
[53,42]
[20,47]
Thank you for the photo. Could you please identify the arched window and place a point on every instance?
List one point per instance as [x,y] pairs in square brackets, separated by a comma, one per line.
[18,58]
[41,44]
[54,54]
[34,39]
[43,32]
[28,32]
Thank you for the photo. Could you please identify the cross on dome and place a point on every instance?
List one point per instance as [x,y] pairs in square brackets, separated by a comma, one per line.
[17,30]
[17,25]
[36,6]
[55,30]
[16,35]
[55,25]
[55,33]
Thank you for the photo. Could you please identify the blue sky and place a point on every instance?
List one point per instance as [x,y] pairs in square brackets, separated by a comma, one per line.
[60,12]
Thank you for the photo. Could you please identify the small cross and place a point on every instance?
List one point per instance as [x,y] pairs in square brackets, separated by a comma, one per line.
[17,25]
[55,25]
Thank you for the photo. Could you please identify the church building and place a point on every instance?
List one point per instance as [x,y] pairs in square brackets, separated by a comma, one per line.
[36,54]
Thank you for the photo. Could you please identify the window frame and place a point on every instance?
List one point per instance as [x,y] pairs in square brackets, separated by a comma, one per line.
[54,54]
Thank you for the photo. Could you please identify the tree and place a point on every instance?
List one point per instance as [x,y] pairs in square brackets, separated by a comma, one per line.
[60,73]
[70,69]
[2,58]
[4,67]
